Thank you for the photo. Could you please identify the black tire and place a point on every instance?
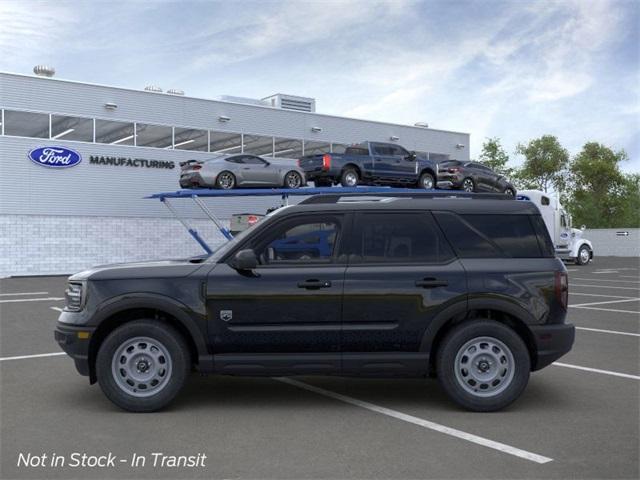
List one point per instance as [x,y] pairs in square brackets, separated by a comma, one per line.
[427,181]
[179,362]
[347,177]
[458,387]
[289,180]
[225,180]
[584,255]
[509,191]
[468,185]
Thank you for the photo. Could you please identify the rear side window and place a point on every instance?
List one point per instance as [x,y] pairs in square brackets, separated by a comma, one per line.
[399,238]
[356,151]
[513,234]
[467,241]
[544,240]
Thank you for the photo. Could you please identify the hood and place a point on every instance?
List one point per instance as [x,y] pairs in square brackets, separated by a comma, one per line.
[576,233]
[149,269]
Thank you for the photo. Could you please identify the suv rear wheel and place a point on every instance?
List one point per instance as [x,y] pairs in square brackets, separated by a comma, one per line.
[483,365]
[349,178]
[142,365]
[468,185]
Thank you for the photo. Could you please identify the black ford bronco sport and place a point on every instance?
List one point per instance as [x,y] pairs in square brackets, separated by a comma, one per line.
[467,289]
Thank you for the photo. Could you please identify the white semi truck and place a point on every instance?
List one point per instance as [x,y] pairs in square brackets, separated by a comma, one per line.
[568,241]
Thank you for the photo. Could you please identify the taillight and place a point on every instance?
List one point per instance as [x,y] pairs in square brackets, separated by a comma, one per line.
[299,162]
[562,288]
[252,220]
[196,167]
[454,170]
[326,161]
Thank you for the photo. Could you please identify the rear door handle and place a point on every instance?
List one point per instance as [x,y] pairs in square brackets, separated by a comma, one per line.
[314,284]
[431,283]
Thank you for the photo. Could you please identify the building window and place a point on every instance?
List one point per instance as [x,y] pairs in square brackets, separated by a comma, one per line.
[225,142]
[258,145]
[338,147]
[114,133]
[190,139]
[26,124]
[71,128]
[157,136]
[314,148]
[287,148]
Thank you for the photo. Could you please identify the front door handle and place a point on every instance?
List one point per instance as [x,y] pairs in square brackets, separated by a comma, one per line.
[314,284]
[431,283]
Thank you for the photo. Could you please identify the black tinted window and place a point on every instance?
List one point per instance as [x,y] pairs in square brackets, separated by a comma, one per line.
[467,242]
[544,240]
[399,238]
[356,151]
[251,160]
[234,160]
[513,234]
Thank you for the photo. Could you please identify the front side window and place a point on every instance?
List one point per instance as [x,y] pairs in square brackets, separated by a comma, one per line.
[301,241]
[397,237]
[252,160]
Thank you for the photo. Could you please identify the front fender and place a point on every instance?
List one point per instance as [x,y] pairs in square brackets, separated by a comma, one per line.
[576,247]
[194,322]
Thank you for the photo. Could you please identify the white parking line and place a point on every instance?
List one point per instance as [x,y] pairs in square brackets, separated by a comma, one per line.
[608,331]
[40,355]
[485,442]
[605,286]
[597,295]
[628,276]
[604,272]
[597,370]
[606,280]
[15,300]
[57,309]
[22,293]
[605,302]
[608,310]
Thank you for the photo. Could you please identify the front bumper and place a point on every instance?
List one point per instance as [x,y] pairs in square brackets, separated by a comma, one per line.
[551,342]
[74,340]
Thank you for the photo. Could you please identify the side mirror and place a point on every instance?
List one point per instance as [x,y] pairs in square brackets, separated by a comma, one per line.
[244,260]
[583,228]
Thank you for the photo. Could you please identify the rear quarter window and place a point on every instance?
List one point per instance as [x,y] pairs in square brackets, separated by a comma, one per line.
[491,235]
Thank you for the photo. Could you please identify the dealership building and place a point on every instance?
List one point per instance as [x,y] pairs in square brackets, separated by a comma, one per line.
[128,145]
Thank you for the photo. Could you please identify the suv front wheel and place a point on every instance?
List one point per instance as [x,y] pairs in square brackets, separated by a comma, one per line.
[483,365]
[142,365]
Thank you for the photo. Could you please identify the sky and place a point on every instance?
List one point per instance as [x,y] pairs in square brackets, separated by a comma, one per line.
[514,70]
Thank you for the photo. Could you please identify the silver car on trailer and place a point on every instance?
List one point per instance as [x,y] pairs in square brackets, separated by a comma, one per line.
[241,170]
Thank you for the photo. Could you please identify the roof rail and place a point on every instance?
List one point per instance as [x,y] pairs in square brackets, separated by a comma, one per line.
[389,195]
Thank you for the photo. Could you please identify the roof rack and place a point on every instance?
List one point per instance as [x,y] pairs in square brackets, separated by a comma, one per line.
[318,195]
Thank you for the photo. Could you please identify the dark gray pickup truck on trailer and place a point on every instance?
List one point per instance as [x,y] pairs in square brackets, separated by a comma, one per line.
[371,163]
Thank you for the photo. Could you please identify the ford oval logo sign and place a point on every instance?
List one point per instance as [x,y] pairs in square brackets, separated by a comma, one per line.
[55,157]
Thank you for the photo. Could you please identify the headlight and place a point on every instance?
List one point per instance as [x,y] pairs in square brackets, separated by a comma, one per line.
[74,296]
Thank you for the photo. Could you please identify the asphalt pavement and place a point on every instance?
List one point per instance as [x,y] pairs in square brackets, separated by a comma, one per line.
[578,418]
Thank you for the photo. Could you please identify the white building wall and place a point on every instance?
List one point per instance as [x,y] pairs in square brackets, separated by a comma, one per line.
[612,242]
[54,245]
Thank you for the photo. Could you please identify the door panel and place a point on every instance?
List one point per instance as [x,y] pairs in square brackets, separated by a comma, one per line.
[273,311]
[401,274]
[290,303]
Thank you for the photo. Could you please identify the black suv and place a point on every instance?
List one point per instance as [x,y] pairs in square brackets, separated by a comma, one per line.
[467,289]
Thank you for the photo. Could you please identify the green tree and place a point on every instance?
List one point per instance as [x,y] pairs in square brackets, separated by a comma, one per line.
[544,165]
[494,156]
[601,196]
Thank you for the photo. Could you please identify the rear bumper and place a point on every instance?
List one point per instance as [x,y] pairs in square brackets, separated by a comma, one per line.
[552,342]
[75,345]
[191,180]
